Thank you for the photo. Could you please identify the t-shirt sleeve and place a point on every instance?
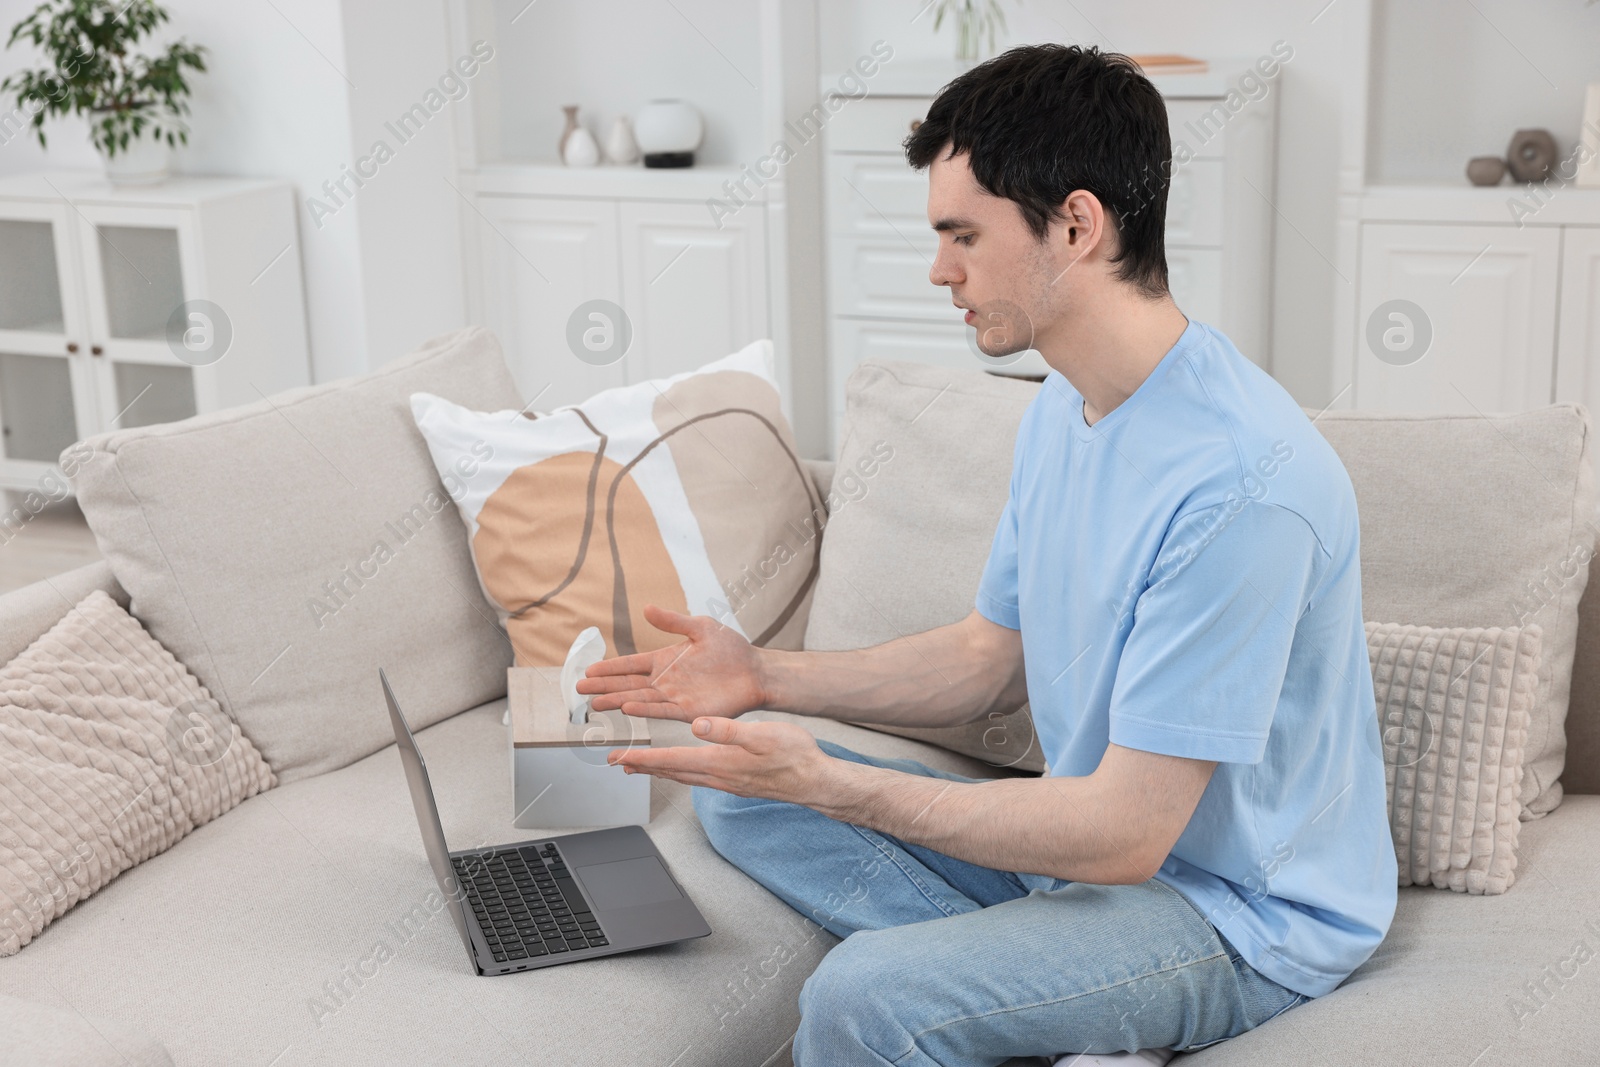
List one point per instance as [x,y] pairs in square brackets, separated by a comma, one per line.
[1204,664]
[997,589]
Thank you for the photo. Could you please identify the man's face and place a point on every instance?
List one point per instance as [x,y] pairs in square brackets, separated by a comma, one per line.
[1008,280]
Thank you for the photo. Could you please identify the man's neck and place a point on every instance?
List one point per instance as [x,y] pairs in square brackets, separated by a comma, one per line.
[1109,348]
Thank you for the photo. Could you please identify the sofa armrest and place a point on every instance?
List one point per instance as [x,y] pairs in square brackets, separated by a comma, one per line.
[42,1035]
[28,612]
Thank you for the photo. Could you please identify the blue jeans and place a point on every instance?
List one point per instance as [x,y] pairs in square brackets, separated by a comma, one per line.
[945,962]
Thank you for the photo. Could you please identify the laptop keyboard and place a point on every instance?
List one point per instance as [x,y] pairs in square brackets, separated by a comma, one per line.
[527,903]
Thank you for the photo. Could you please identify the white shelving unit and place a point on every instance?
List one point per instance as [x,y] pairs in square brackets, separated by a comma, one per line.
[540,239]
[90,276]
[881,304]
[1508,297]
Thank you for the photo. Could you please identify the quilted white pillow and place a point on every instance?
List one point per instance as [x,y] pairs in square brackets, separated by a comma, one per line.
[1453,710]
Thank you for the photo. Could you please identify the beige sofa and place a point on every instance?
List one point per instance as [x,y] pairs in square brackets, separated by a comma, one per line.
[253,941]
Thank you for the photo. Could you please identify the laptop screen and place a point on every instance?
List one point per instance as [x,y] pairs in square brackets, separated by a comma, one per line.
[427,815]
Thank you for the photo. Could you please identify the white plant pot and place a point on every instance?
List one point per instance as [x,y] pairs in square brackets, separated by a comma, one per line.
[145,161]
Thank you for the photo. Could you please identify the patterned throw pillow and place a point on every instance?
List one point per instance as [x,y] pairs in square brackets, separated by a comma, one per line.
[1453,711]
[685,492]
[110,752]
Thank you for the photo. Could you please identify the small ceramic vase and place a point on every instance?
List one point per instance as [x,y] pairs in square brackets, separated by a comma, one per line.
[620,144]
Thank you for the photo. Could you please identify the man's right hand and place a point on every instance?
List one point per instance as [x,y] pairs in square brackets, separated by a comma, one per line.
[714,672]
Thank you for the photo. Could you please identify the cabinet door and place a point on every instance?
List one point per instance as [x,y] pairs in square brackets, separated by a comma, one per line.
[694,290]
[1482,299]
[1578,335]
[47,392]
[140,264]
[542,259]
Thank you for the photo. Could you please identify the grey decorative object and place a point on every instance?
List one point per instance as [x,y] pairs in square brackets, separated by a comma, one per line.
[1486,170]
[1531,154]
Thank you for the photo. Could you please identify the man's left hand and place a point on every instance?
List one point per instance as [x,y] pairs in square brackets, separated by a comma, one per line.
[775,760]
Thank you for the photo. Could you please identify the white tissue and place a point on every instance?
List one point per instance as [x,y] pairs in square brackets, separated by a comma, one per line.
[588,649]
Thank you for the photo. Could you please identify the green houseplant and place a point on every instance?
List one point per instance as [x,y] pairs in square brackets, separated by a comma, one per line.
[974,20]
[135,101]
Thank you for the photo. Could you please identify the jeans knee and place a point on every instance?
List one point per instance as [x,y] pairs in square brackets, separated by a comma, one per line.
[845,1000]
[718,812]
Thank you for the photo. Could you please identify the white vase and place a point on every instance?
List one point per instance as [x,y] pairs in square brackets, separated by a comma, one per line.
[669,131]
[145,161]
[620,144]
[582,150]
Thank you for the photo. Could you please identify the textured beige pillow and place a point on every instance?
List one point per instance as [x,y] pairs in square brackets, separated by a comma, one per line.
[110,751]
[1453,710]
[683,492]
[286,549]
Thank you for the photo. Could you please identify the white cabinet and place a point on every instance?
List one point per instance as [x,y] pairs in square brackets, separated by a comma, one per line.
[695,290]
[126,307]
[1578,329]
[693,286]
[542,257]
[1476,331]
[1510,298]
[880,248]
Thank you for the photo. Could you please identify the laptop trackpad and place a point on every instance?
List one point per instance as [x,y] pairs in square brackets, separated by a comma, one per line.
[628,883]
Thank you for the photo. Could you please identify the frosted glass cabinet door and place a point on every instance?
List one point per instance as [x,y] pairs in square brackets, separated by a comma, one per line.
[47,397]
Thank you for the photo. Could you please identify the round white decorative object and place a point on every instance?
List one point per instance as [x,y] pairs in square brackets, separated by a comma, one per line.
[668,126]
[582,149]
[620,144]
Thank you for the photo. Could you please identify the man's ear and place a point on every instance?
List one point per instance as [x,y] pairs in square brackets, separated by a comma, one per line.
[1085,229]
[1086,223]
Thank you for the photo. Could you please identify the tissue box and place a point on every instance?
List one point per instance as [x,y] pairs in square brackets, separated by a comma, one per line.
[559,775]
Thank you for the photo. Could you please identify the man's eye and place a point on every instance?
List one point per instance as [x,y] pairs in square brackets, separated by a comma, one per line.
[964,238]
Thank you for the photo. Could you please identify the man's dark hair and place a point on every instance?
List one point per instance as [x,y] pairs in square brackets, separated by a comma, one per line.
[1043,120]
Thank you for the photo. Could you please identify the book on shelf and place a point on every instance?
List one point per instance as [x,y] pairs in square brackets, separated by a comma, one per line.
[1170,63]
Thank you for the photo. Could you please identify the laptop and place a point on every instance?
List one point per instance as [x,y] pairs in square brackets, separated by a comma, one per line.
[535,904]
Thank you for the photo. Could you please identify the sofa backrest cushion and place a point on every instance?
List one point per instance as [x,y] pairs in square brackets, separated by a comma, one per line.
[1465,521]
[287,549]
[922,475]
[1469,520]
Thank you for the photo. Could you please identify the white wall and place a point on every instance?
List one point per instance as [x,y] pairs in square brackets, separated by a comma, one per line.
[1308,120]
[618,55]
[296,89]
[1451,81]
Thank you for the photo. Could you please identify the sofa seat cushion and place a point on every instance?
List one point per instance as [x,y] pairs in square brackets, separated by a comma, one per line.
[1518,974]
[298,922]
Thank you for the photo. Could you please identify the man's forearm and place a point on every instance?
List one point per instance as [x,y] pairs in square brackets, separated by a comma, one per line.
[1062,827]
[943,677]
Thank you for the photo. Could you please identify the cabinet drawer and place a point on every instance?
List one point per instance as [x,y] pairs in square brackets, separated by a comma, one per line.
[1195,277]
[876,195]
[887,277]
[1200,124]
[1194,205]
[875,123]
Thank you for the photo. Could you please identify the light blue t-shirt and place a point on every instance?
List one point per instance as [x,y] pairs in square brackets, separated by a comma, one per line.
[1186,577]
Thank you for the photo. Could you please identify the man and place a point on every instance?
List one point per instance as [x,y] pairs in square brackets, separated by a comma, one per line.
[1175,587]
